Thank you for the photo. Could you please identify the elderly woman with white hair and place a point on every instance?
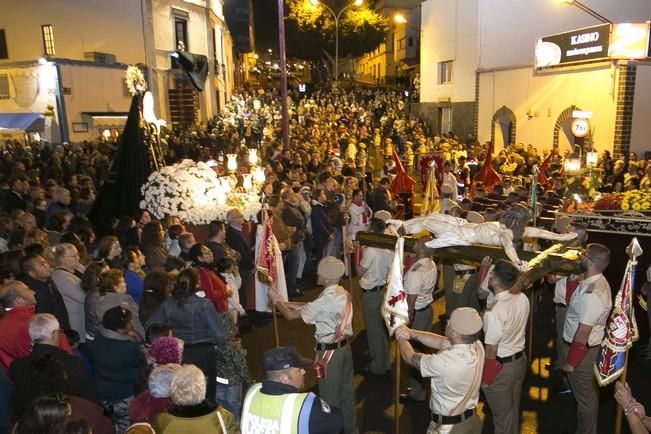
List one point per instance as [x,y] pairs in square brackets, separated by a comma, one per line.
[156,399]
[190,412]
[67,278]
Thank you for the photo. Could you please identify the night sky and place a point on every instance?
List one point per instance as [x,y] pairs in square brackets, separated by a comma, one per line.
[266,24]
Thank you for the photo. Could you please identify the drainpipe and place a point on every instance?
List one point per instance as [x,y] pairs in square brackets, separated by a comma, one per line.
[61,106]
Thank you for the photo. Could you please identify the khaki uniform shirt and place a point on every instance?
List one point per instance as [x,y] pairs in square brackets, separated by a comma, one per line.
[377,263]
[452,374]
[505,323]
[590,305]
[326,313]
[420,280]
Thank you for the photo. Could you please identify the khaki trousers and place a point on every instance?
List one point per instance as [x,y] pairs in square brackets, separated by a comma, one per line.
[586,392]
[376,332]
[561,346]
[503,396]
[465,298]
[472,425]
[423,322]
[337,387]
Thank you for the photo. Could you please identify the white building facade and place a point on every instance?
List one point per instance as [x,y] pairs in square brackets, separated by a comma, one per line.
[62,63]
[478,75]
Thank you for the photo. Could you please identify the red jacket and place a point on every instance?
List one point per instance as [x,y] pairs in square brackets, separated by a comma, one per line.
[14,339]
[215,288]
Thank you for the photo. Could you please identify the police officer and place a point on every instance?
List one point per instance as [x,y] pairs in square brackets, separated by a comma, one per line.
[278,405]
[455,371]
[505,322]
[332,314]
[420,282]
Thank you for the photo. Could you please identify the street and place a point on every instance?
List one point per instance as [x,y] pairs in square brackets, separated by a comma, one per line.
[543,410]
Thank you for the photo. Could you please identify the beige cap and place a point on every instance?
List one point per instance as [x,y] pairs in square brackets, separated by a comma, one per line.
[331,268]
[382,215]
[446,189]
[465,321]
[474,217]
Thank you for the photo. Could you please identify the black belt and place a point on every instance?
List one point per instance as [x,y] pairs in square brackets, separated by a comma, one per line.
[452,420]
[512,357]
[332,346]
[464,272]
[423,308]
[199,345]
[376,288]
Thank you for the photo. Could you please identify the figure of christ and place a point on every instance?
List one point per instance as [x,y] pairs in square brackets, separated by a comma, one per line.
[507,232]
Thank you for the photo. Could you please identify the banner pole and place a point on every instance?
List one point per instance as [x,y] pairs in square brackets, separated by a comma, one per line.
[620,410]
[275,324]
[396,397]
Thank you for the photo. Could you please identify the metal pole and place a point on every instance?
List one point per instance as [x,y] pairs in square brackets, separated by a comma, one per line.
[336,48]
[396,389]
[283,73]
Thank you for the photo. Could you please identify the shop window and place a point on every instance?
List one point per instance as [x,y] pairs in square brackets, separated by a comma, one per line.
[445,72]
[4,86]
[3,45]
[48,39]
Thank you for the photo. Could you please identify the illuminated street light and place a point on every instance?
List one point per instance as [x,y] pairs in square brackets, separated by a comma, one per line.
[586,9]
[336,17]
[400,19]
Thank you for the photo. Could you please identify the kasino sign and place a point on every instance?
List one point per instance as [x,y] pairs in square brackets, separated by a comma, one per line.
[605,41]
[581,45]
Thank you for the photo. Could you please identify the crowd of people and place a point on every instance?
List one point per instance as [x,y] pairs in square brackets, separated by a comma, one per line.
[136,326]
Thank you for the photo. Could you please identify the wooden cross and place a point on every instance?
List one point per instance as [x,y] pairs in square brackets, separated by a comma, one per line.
[558,258]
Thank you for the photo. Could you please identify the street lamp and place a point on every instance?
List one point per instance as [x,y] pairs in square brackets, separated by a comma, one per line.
[586,9]
[399,18]
[336,16]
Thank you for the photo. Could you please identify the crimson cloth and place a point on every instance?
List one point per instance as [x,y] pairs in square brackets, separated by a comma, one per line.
[492,367]
[402,183]
[487,175]
[215,289]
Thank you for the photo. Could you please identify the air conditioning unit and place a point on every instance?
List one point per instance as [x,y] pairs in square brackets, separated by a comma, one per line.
[97,57]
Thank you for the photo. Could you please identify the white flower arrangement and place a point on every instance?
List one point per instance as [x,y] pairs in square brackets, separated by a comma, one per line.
[192,191]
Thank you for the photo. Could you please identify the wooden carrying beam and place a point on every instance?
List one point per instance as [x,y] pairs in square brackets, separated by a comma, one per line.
[556,259]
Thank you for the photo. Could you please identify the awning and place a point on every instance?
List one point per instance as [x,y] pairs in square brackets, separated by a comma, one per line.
[22,121]
[108,119]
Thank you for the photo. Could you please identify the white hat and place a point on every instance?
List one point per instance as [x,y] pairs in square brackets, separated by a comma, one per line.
[474,217]
[331,268]
[382,215]
[465,321]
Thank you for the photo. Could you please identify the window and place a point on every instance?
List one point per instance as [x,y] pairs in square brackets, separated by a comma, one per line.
[181,32]
[401,43]
[445,72]
[48,39]
[410,41]
[3,45]
[4,86]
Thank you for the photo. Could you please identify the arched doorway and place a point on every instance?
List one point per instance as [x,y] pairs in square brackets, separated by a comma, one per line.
[504,122]
[563,139]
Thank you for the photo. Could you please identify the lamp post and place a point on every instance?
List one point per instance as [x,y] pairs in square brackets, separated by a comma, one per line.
[336,16]
[587,10]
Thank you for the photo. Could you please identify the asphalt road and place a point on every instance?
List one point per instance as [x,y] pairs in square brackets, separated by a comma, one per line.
[543,410]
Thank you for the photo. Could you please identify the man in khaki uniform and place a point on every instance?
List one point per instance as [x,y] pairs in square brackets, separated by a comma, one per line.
[585,323]
[374,269]
[420,282]
[331,312]
[455,371]
[505,323]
